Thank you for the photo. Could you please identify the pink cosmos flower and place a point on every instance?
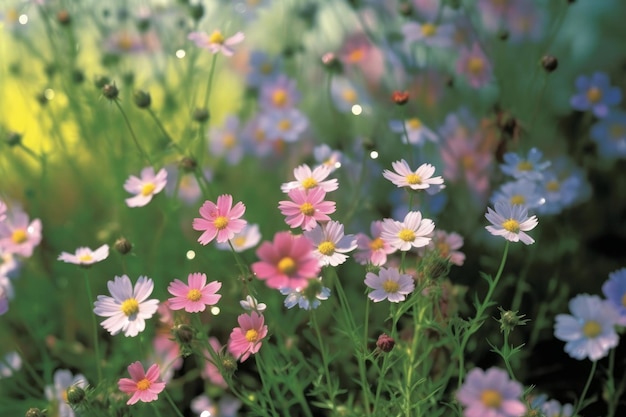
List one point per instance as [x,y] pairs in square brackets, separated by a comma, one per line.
[216,42]
[447,244]
[286,262]
[373,250]
[145,187]
[85,256]
[420,179]
[474,65]
[414,231]
[3,211]
[19,236]
[211,372]
[307,179]
[389,284]
[490,393]
[306,208]
[194,296]
[144,386]
[219,220]
[167,355]
[245,340]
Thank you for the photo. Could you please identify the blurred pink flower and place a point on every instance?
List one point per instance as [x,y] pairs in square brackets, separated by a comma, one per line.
[216,42]
[144,386]
[373,250]
[166,355]
[211,371]
[19,236]
[474,65]
[145,187]
[245,340]
[219,220]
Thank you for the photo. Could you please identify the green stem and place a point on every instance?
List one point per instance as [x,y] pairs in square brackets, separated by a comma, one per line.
[580,401]
[325,362]
[169,400]
[266,387]
[132,132]
[506,359]
[96,343]
[162,128]
[207,94]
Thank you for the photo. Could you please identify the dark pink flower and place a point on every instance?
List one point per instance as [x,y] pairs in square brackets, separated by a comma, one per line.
[245,340]
[219,220]
[145,386]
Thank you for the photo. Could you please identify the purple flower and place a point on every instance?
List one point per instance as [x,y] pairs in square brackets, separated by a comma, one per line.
[474,65]
[285,125]
[18,235]
[596,94]
[389,284]
[490,393]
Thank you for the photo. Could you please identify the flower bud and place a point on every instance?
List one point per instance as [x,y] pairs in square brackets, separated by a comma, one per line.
[229,364]
[200,115]
[101,80]
[385,343]
[123,245]
[13,138]
[142,99]
[400,97]
[331,62]
[509,319]
[183,333]
[188,164]
[35,412]
[110,91]
[196,11]
[75,395]
[77,76]
[405,9]
[143,24]
[549,63]
[64,18]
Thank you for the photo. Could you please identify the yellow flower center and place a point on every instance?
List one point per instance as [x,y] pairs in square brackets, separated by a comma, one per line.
[252,335]
[391,286]
[125,42]
[287,265]
[326,248]
[265,68]
[229,140]
[617,131]
[12,15]
[307,209]
[279,97]
[259,136]
[284,125]
[413,179]
[406,235]
[239,241]
[511,225]
[594,95]
[414,123]
[64,395]
[349,95]
[147,189]
[85,258]
[525,166]
[309,183]
[377,244]
[491,398]
[356,55]
[444,249]
[19,236]
[624,300]
[475,65]
[553,186]
[216,37]
[518,199]
[143,385]
[468,162]
[220,222]
[130,307]
[194,295]
[428,29]
[592,329]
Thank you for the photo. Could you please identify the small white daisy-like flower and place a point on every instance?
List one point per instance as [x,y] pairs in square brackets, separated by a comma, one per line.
[85,256]
[129,308]
[590,330]
[420,179]
[413,131]
[511,221]
[308,298]
[389,284]
[330,243]
[251,304]
[307,179]
[412,232]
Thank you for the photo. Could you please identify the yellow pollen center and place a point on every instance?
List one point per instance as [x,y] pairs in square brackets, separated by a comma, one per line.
[553,186]
[309,183]
[229,140]
[252,335]
[143,385]
[428,29]
[307,209]
[85,258]
[518,199]
[444,249]
[326,248]
[147,189]
[511,225]
[130,307]
[287,265]
[475,65]
[279,97]
[194,295]
[216,37]
[266,68]
[391,286]
[377,244]
[19,236]
[284,125]
[239,241]
[624,300]
[414,123]
[356,55]
[220,222]
[125,42]
[592,329]
[64,395]
[468,162]
[617,131]
[491,398]
[525,166]
[349,95]
[259,136]
[413,179]
[594,95]
[406,235]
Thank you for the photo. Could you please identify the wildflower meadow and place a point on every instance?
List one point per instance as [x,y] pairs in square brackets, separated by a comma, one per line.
[312,208]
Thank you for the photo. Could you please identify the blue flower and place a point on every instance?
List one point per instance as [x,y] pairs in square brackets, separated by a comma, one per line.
[615,292]
[610,135]
[263,68]
[287,125]
[521,192]
[590,330]
[596,94]
[529,168]
[303,299]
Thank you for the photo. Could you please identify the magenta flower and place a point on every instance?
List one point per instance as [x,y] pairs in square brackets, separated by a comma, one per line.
[306,208]
[145,386]
[194,296]
[19,236]
[389,284]
[245,340]
[219,220]
[490,393]
[216,42]
[85,256]
[373,250]
[474,65]
[145,187]
[287,262]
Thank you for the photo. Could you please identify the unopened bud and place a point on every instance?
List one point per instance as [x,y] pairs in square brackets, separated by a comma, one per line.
[183,333]
[75,395]
[142,99]
[509,319]
[196,11]
[64,18]
[78,76]
[200,115]
[188,164]
[13,139]
[123,245]
[405,9]
[143,24]
[35,412]
[229,364]
[110,91]
[549,63]
[400,97]
[100,81]
[385,343]
[331,62]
